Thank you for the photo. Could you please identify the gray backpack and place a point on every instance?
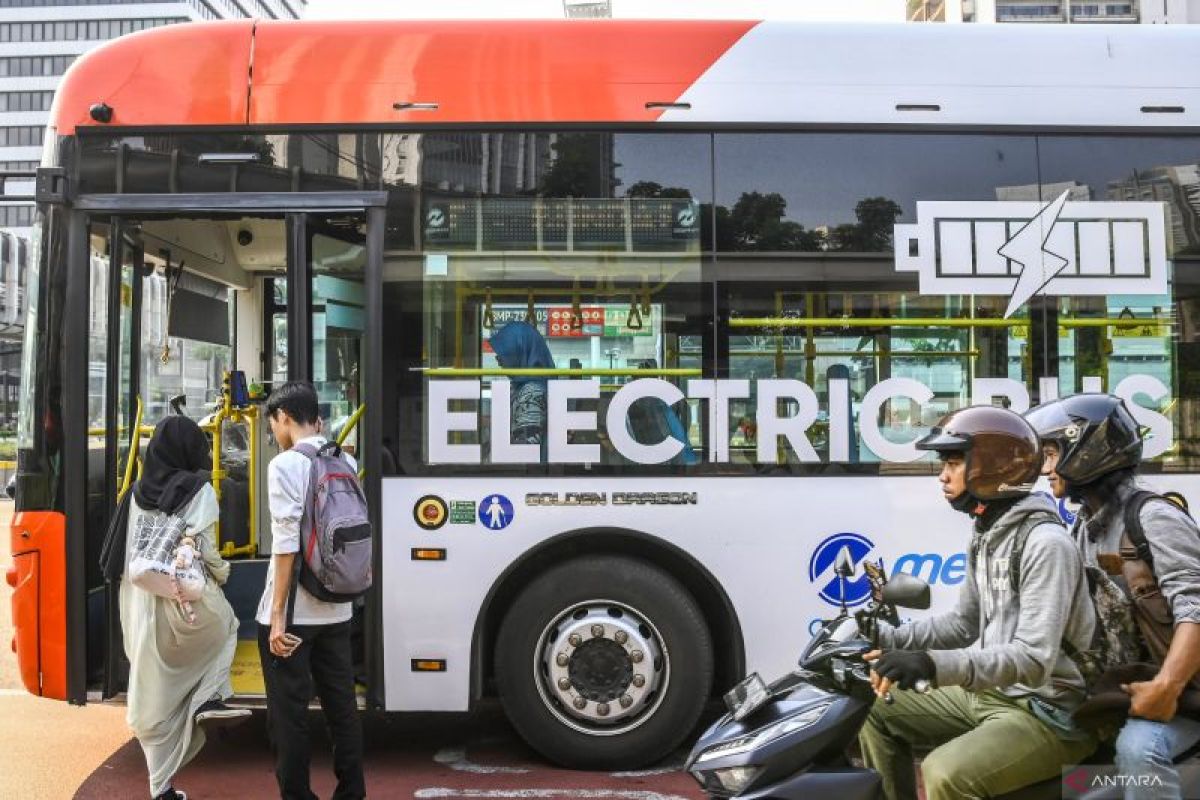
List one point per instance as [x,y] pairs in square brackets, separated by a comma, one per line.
[335,530]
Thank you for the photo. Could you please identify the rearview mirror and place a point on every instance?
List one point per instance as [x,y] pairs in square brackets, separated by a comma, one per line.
[906,591]
[844,565]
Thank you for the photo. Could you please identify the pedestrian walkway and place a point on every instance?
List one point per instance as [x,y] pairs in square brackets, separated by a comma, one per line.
[50,747]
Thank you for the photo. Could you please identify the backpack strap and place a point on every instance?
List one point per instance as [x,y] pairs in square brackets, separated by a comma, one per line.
[1027,525]
[309,452]
[1133,523]
[1029,521]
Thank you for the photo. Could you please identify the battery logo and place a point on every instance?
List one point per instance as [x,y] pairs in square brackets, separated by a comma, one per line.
[1021,249]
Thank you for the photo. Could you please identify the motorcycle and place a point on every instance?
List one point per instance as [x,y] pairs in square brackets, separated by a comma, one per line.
[788,740]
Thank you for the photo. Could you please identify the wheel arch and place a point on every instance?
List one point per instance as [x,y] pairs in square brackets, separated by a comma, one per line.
[729,661]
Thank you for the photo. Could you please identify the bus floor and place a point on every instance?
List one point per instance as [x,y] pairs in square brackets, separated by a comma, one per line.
[245,675]
[243,590]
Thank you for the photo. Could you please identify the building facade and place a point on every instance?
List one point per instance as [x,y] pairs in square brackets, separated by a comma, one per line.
[1151,12]
[39,39]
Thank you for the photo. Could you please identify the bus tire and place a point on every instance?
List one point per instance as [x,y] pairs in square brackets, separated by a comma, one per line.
[604,662]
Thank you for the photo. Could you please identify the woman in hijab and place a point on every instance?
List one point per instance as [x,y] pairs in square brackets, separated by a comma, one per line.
[518,345]
[179,662]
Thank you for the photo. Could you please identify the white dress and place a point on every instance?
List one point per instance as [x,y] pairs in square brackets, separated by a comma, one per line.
[176,666]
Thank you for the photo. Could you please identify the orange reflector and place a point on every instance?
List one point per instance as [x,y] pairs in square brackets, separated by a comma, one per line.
[428,665]
[428,554]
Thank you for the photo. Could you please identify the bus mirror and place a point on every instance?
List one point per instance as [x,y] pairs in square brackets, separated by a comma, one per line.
[906,591]
[844,565]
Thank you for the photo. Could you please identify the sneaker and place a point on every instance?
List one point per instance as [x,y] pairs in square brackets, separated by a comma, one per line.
[216,713]
[172,794]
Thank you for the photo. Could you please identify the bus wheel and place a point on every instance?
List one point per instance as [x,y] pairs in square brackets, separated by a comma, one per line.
[604,662]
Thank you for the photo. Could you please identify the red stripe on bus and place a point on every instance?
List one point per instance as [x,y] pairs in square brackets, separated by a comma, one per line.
[493,71]
[342,73]
[193,74]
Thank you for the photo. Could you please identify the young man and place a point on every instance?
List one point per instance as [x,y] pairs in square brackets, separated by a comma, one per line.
[314,652]
[1093,447]
[999,717]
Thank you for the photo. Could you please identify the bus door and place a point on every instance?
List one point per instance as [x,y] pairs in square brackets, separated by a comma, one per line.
[199,313]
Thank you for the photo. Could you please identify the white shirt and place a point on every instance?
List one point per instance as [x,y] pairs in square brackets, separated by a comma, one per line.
[287,491]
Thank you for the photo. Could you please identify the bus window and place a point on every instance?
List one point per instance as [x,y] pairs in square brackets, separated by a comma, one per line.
[1142,347]
[808,274]
[338,260]
[552,265]
[186,341]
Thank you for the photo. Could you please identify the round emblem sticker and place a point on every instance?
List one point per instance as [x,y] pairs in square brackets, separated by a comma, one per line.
[430,512]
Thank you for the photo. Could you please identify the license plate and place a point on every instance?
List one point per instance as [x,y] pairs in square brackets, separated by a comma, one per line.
[747,697]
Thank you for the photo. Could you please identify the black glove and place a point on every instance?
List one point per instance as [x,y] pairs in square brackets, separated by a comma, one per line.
[866,625]
[905,667]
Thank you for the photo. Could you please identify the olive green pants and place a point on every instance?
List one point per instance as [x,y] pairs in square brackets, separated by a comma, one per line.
[984,744]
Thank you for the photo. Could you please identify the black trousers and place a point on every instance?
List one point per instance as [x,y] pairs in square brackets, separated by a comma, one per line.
[323,662]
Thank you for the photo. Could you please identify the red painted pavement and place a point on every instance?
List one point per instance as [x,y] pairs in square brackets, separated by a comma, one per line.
[477,756]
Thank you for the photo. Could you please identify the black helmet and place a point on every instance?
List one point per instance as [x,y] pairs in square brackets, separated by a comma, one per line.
[1095,434]
[1002,453]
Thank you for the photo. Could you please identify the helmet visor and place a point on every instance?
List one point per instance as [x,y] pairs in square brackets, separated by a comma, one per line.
[1050,420]
[944,442]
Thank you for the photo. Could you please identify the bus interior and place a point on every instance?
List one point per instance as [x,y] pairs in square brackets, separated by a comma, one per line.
[199,328]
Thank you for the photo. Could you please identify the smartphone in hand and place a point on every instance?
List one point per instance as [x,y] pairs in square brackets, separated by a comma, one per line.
[291,641]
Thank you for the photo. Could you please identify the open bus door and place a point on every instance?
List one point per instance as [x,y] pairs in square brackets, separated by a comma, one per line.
[328,265]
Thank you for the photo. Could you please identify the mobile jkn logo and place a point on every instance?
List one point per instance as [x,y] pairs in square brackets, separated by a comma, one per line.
[1025,248]
[930,567]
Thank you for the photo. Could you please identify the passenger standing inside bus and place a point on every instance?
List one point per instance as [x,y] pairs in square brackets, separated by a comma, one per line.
[315,652]
[999,718]
[178,666]
[1093,448]
[518,345]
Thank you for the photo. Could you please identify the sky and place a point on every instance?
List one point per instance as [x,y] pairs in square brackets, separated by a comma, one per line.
[807,10]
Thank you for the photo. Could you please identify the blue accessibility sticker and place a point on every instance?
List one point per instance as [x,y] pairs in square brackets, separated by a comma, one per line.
[495,512]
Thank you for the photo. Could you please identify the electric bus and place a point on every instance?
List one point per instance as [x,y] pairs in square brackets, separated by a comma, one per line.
[632,325]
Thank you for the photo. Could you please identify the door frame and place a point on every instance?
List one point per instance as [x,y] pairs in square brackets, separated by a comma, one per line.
[85,209]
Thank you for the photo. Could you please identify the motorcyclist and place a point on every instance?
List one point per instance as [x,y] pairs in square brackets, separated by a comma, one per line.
[999,717]
[1093,448]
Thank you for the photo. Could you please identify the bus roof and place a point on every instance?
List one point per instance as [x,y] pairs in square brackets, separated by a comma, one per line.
[258,73]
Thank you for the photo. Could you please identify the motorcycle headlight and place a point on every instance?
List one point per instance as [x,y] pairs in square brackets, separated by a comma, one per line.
[730,780]
[791,724]
[783,727]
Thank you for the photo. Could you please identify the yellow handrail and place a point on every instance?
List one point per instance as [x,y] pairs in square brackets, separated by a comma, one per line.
[146,430]
[932,322]
[135,437]
[228,412]
[867,322]
[351,424]
[1115,322]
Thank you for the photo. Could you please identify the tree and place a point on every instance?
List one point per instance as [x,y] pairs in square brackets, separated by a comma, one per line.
[756,222]
[652,189]
[583,166]
[873,232]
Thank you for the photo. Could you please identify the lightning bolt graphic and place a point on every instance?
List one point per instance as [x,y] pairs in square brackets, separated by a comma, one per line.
[1027,247]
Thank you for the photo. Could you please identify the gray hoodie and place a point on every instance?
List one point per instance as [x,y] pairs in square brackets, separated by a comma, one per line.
[1173,540]
[1019,637]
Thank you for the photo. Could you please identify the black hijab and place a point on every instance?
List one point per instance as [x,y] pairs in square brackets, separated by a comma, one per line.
[177,452]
